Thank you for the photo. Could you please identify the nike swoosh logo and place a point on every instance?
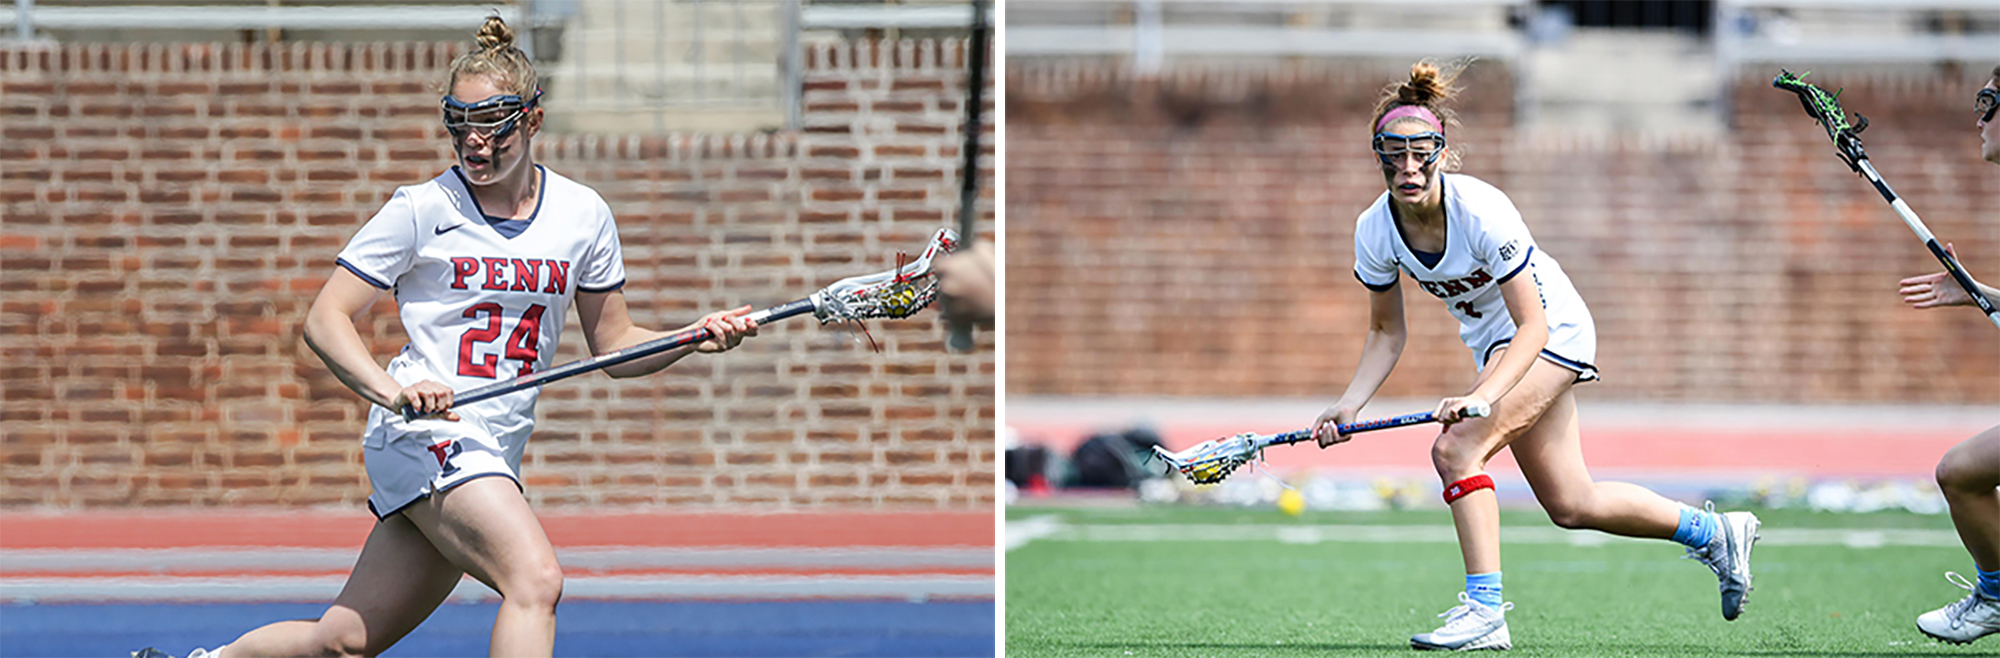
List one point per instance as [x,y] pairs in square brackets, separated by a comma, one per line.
[447,229]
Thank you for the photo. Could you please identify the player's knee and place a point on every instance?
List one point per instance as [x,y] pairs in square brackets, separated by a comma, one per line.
[1456,456]
[540,588]
[1958,471]
[1571,516]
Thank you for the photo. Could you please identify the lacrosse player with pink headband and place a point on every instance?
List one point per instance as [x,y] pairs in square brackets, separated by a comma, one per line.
[1462,241]
[1969,473]
[485,261]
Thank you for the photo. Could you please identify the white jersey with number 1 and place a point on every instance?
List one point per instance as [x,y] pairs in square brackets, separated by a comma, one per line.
[482,299]
[1486,244]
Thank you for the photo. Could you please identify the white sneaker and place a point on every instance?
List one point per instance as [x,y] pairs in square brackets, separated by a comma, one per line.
[1973,617]
[1469,627]
[1728,555]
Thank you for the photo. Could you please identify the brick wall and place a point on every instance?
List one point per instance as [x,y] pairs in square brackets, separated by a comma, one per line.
[1193,235]
[167,213]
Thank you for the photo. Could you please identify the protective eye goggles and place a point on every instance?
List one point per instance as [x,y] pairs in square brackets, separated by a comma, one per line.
[494,117]
[1987,103]
[1391,147]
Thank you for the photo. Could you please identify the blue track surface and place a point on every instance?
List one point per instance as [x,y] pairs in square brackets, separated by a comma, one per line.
[584,628]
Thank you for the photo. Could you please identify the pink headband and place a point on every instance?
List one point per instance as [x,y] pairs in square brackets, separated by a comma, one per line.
[1417,111]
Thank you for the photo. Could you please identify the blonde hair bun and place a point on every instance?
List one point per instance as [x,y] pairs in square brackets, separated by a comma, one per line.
[495,35]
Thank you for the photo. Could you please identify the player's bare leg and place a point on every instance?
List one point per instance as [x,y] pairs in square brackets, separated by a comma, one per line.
[1463,450]
[1460,456]
[1968,474]
[486,528]
[396,584]
[1551,457]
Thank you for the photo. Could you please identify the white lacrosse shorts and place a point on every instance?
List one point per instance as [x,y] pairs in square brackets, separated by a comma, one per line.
[408,461]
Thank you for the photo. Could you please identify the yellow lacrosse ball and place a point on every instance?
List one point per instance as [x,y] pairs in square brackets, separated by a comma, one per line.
[1291,502]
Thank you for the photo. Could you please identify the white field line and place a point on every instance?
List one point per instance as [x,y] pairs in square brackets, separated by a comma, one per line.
[1050,529]
[324,588]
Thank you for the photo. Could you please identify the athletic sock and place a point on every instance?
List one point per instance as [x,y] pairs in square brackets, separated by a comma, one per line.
[1989,582]
[1484,588]
[1697,527]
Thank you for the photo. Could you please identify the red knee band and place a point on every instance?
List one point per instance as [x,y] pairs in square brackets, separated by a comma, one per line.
[1459,489]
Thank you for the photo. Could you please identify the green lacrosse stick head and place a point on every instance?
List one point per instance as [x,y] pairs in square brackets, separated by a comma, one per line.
[1825,108]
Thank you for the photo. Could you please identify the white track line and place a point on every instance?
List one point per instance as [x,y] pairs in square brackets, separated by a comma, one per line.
[325,588]
[1050,529]
[29,562]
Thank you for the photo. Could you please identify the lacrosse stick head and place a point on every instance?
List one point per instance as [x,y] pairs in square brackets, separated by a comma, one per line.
[1210,461]
[895,294]
[1825,109]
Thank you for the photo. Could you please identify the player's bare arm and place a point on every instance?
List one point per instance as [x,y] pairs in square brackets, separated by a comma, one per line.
[331,334]
[1530,336]
[1387,334]
[607,327]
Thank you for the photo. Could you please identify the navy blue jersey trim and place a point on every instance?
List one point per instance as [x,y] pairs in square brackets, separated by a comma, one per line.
[379,517]
[1584,372]
[1524,264]
[506,227]
[364,275]
[1430,259]
[583,288]
[1381,288]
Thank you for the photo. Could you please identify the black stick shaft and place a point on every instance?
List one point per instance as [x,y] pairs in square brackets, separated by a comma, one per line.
[672,341]
[1923,232]
[968,189]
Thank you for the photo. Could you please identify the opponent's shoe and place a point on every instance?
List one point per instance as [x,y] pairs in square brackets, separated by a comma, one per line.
[1973,617]
[1469,627]
[1728,555]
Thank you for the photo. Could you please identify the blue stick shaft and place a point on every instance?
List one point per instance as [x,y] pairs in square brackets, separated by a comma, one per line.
[1359,426]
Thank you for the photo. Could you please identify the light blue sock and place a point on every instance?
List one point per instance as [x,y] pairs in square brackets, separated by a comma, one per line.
[1484,588]
[1989,582]
[1697,527]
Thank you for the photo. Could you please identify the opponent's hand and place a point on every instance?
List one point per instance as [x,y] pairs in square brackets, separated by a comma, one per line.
[1452,410]
[428,398]
[965,285]
[1326,430]
[728,327]
[1934,289]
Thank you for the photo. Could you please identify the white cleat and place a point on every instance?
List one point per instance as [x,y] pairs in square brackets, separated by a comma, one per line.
[1728,555]
[1471,626]
[1973,617]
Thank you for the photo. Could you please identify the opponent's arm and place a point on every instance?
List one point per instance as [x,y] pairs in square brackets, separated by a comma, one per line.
[1387,334]
[331,334]
[607,327]
[1531,334]
[1936,289]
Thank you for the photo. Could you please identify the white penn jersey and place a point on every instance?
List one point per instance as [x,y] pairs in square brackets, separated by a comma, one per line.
[482,298]
[1486,244]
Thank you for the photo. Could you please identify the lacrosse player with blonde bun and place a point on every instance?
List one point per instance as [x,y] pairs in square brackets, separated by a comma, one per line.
[1969,474]
[1461,240]
[485,261]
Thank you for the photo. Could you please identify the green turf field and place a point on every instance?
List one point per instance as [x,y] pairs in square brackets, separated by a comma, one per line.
[1179,581]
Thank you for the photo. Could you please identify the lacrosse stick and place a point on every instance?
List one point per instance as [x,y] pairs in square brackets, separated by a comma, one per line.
[895,294]
[1825,108]
[1210,461]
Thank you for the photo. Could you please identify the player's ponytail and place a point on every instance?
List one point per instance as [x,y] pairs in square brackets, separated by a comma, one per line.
[1429,87]
[498,57]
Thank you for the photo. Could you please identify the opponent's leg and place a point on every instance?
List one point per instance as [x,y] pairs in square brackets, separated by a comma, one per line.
[1551,457]
[1968,475]
[396,584]
[486,528]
